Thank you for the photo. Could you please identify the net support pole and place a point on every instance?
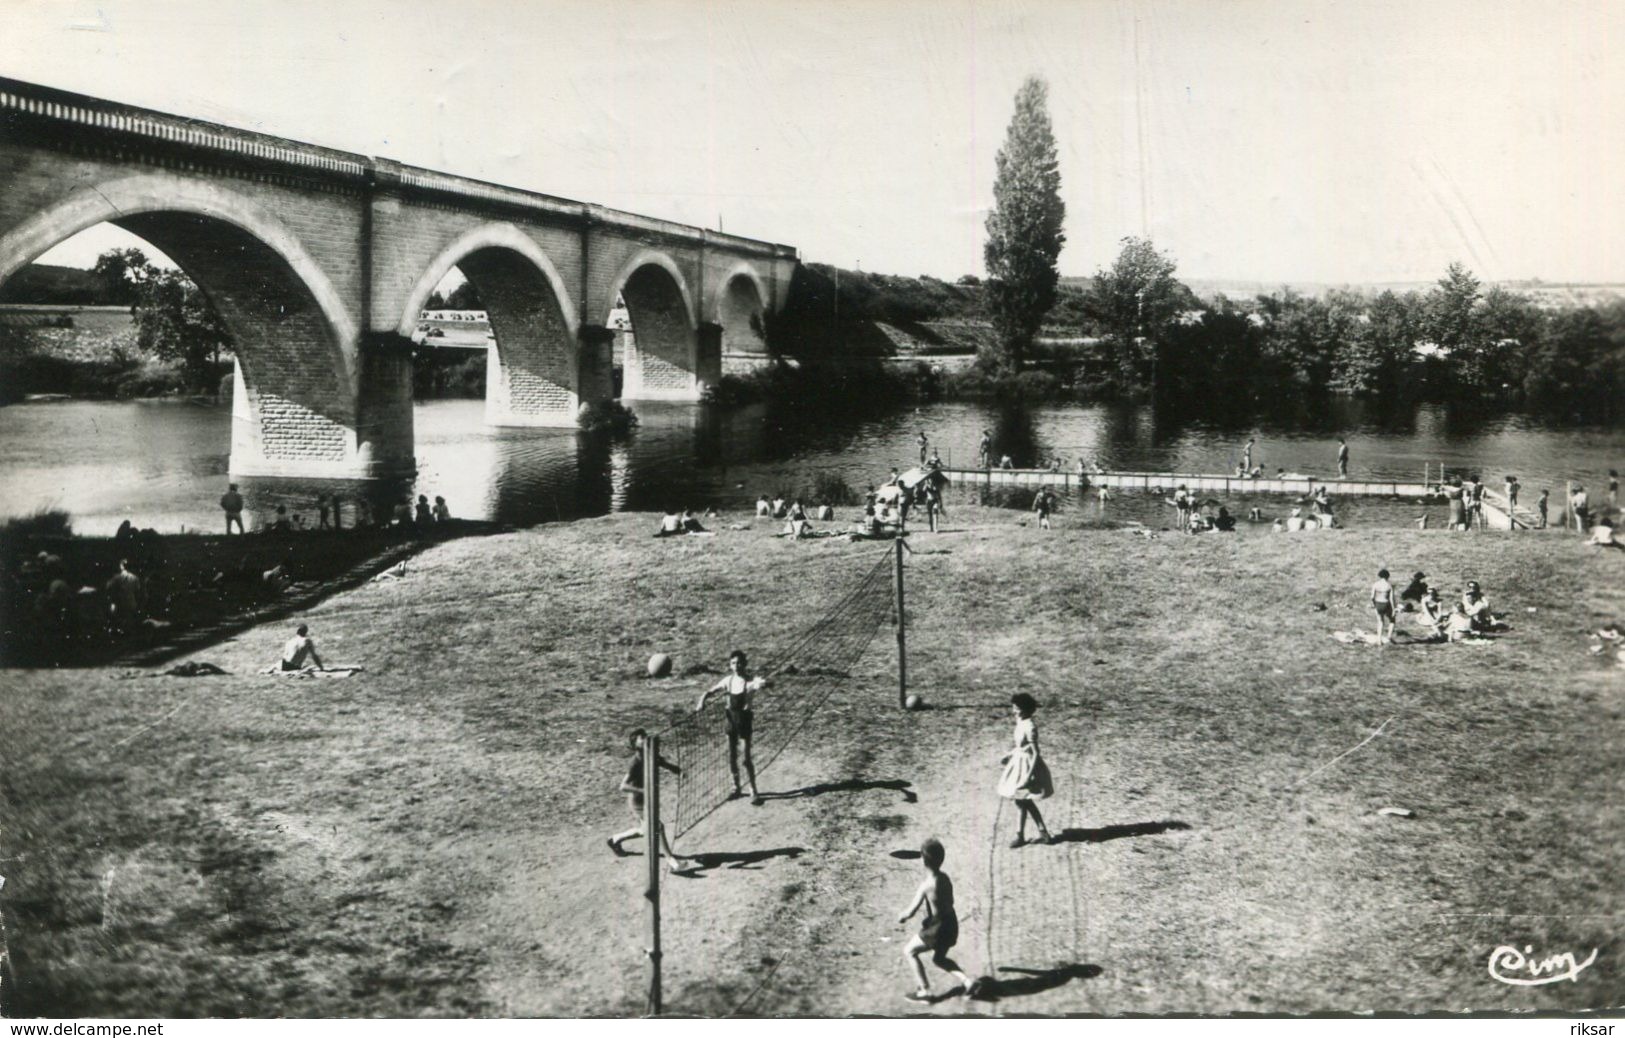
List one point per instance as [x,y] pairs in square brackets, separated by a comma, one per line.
[653,838]
[902,653]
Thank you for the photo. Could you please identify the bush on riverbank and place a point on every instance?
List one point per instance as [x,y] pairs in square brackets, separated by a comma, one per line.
[608,416]
[46,522]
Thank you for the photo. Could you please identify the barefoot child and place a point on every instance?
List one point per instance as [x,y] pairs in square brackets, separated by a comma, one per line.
[1026,778]
[939,930]
[1383,604]
[738,688]
[632,786]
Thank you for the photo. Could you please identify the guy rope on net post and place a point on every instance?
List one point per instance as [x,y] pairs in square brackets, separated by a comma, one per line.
[902,654]
[653,839]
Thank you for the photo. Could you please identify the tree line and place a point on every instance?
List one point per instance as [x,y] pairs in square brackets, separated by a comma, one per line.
[1457,341]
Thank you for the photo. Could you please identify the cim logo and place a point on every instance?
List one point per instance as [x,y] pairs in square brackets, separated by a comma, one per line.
[1520,968]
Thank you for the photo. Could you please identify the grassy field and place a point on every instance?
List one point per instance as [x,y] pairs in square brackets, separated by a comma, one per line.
[427,838]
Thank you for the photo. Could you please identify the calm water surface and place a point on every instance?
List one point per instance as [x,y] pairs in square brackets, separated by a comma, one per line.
[164,464]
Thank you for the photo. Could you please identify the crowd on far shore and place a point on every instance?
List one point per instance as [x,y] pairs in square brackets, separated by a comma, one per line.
[400,514]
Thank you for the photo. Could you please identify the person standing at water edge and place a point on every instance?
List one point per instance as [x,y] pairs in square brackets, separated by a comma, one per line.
[1387,610]
[1247,455]
[924,446]
[231,503]
[1581,504]
[1043,504]
[738,687]
[1613,488]
[984,452]
[1342,458]
[1541,504]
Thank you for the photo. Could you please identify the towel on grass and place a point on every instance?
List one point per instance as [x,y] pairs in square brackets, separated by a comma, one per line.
[312,672]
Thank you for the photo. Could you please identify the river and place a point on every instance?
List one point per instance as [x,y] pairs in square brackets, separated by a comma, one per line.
[164,463]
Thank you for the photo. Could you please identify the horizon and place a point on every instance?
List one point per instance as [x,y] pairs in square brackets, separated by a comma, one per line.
[1264,142]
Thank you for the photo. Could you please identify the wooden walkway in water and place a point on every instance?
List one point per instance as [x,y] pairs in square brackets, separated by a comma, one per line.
[1496,510]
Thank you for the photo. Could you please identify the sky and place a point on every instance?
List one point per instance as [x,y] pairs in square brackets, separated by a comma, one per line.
[1255,140]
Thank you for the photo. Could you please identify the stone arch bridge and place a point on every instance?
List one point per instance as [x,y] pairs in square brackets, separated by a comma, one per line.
[320,261]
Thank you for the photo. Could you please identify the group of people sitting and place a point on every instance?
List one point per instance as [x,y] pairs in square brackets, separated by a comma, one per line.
[1469,617]
[674,524]
[1192,519]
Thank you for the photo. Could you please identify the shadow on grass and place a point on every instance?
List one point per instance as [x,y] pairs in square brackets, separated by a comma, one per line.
[1118,832]
[699,864]
[1031,981]
[847,786]
[335,563]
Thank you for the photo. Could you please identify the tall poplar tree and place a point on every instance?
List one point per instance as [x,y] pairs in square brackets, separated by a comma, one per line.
[1024,229]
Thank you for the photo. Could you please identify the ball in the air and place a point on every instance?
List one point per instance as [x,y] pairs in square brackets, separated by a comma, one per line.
[660,665]
[913,702]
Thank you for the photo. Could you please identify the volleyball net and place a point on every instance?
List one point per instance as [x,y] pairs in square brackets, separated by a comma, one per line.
[801,676]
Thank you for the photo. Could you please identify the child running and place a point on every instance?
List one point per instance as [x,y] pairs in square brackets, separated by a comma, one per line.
[738,687]
[632,786]
[939,930]
[1026,777]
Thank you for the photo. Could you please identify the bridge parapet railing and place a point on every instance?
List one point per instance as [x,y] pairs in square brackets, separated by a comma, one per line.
[29,100]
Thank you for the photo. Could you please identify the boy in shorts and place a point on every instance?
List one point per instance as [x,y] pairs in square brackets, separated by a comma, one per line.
[939,930]
[632,786]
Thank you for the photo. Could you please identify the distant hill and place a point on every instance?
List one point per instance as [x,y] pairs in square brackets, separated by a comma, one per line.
[56,286]
[1547,293]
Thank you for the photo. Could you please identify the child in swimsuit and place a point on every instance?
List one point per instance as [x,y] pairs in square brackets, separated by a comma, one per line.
[939,930]
[632,786]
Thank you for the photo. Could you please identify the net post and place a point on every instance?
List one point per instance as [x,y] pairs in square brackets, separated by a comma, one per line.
[654,839]
[902,654]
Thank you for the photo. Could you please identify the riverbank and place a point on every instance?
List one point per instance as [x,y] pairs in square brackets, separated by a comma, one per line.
[426,838]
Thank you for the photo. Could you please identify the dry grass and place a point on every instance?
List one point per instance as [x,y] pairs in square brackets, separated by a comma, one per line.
[427,838]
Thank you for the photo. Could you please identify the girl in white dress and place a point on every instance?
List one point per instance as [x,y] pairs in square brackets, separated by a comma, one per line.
[1026,779]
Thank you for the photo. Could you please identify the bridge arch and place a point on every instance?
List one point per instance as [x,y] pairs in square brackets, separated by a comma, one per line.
[739,307]
[296,341]
[663,363]
[533,372]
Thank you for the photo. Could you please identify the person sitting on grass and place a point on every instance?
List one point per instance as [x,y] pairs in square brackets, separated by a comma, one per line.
[671,524]
[1026,778]
[442,514]
[1602,534]
[1295,522]
[1477,608]
[780,508]
[939,930]
[299,649]
[1458,625]
[632,786]
[764,508]
[1433,616]
[691,524]
[1224,522]
[1412,596]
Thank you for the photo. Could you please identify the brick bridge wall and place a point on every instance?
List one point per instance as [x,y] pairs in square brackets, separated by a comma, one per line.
[319,261]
